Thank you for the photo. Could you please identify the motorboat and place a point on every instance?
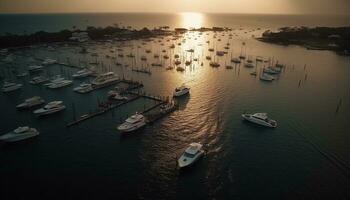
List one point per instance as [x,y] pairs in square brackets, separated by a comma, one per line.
[271,70]
[116,96]
[220,53]
[106,78]
[20,133]
[261,119]
[133,123]
[38,79]
[208,57]
[236,60]
[30,102]
[180,69]
[34,68]
[83,88]
[214,64]
[266,77]
[193,153]
[49,61]
[180,91]
[50,108]
[82,73]
[59,82]
[9,87]
[249,65]
[166,108]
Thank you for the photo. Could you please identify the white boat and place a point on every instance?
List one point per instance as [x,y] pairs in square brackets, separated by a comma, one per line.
[261,119]
[106,78]
[38,79]
[82,73]
[33,101]
[83,88]
[58,82]
[52,107]
[191,155]
[34,68]
[133,123]
[9,87]
[49,61]
[266,77]
[180,91]
[20,133]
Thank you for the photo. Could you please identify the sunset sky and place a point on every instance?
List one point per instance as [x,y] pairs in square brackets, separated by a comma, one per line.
[215,6]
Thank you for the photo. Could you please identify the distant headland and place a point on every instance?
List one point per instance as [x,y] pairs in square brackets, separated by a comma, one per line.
[318,38]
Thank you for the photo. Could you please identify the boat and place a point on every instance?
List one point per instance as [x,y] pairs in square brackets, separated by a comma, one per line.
[34,68]
[271,70]
[229,67]
[249,65]
[59,82]
[266,77]
[49,61]
[220,53]
[9,87]
[114,95]
[180,91]
[166,108]
[31,102]
[104,79]
[82,73]
[38,79]
[133,123]
[20,133]
[50,108]
[191,155]
[253,73]
[236,60]
[214,64]
[83,88]
[261,119]
[208,57]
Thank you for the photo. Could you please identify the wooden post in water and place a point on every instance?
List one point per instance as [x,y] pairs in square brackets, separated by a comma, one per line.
[338,106]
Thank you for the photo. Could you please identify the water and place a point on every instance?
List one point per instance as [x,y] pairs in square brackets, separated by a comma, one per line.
[307,156]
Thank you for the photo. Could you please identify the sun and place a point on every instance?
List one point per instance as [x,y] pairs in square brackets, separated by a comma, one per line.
[191,19]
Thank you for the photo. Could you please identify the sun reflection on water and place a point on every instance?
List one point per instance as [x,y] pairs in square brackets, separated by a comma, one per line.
[191,20]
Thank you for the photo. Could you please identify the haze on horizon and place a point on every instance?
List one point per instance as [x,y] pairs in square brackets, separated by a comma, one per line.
[171,6]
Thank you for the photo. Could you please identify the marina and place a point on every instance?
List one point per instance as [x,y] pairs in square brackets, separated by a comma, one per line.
[138,109]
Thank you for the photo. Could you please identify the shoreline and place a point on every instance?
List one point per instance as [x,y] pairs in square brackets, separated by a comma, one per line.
[318,38]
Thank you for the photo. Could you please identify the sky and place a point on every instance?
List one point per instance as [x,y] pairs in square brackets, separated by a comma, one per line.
[207,6]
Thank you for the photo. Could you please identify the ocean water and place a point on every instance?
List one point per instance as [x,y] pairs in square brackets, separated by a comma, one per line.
[305,157]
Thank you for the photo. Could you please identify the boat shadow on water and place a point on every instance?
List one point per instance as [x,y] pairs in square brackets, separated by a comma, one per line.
[182,101]
[257,127]
[190,169]
[21,143]
[132,134]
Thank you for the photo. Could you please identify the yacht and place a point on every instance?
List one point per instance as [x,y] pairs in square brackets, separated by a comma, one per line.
[20,133]
[83,88]
[59,82]
[50,108]
[261,119]
[49,61]
[82,73]
[133,123]
[183,90]
[38,79]
[34,68]
[33,101]
[191,155]
[266,77]
[9,87]
[106,78]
